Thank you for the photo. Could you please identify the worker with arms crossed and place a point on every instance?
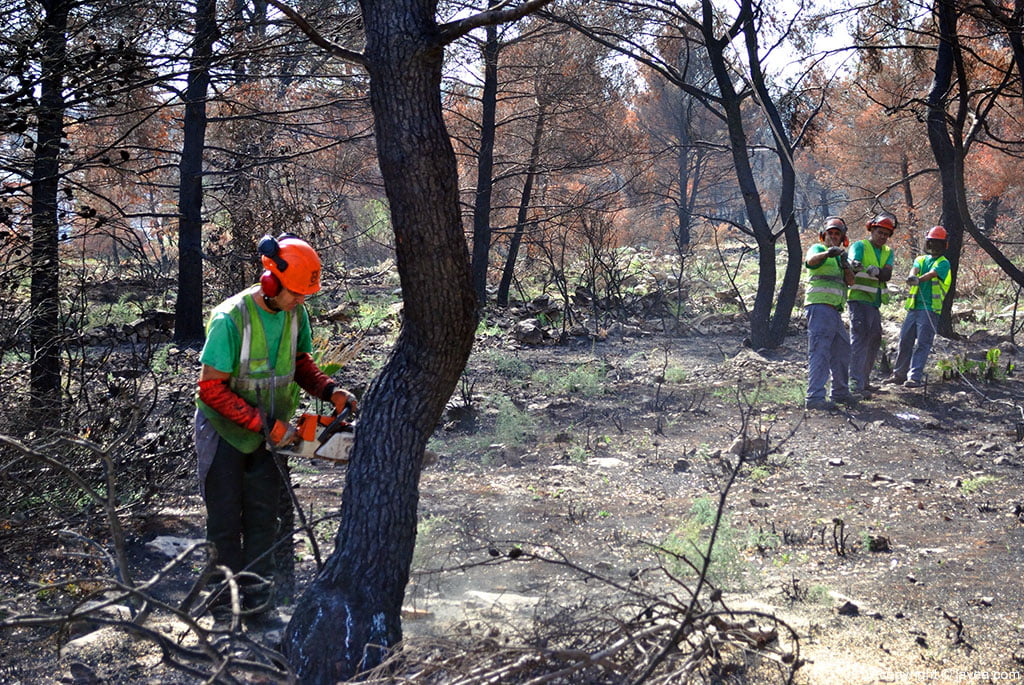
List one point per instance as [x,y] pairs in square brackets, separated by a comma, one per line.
[828,343]
[929,281]
[872,262]
[256,357]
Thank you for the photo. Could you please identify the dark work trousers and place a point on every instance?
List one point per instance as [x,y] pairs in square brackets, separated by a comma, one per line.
[916,338]
[242,494]
[828,353]
[865,341]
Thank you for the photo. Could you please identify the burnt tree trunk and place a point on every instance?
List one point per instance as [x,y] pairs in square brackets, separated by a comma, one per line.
[44,326]
[785,298]
[946,140]
[351,614]
[908,193]
[188,317]
[943,148]
[523,215]
[759,315]
[771,312]
[485,166]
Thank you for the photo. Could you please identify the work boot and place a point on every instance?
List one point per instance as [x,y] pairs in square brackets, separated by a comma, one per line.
[257,596]
[849,400]
[821,404]
[220,604]
[858,391]
[894,380]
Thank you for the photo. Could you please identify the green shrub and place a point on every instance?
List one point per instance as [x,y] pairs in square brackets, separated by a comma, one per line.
[690,540]
[987,369]
[586,379]
[972,485]
[512,426]
[509,366]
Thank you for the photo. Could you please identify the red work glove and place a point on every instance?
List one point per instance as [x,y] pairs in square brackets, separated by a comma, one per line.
[283,434]
[341,399]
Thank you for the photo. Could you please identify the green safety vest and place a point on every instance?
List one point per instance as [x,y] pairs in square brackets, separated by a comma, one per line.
[865,288]
[937,288]
[270,388]
[825,284]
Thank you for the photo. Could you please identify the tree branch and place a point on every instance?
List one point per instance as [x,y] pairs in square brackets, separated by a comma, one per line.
[314,35]
[498,15]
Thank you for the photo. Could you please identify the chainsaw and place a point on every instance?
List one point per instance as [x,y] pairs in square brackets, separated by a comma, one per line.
[323,437]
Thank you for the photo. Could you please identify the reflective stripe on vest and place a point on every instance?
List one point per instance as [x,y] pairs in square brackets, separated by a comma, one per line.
[938,288]
[270,388]
[825,284]
[865,288]
[820,284]
[255,374]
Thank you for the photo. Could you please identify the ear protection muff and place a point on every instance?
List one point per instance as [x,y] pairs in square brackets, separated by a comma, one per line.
[268,247]
[270,284]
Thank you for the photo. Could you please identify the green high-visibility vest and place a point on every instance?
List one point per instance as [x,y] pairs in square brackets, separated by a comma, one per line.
[868,289]
[932,291]
[271,388]
[825,284]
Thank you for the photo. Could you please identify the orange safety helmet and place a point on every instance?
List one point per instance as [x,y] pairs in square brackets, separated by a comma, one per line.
[937,233]
[290,262]
[834,222]
[884,220]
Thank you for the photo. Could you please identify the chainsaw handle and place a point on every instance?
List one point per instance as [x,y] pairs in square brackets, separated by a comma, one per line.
[334,426]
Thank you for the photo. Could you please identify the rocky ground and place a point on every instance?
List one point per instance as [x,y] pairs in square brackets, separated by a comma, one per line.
[888,537]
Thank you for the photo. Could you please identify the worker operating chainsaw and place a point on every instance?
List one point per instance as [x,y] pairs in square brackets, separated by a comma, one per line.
[255,360]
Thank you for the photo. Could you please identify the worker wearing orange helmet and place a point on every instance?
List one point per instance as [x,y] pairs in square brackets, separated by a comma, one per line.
[828,344]
[872,262]
[929,280]
[255,360]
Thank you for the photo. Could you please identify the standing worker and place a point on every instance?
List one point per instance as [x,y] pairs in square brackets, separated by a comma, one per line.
[929,281]
[828,344]
[256,357]
[872,264]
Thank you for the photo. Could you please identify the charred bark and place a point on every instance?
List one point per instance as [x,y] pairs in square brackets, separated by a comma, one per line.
[44,326]
[351,614]
[485,166]
[522,217]
[943,149]
[188,319]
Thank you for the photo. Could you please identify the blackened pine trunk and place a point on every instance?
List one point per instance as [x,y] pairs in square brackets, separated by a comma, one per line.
[351,614]
[1015,36]
[948,60]
[990,214]
[188,317]
[485,167]
[908,193]
[949,157]
[508,272]
[760,315]
[943,149]
[684,210]
[44,326]
[785,299]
